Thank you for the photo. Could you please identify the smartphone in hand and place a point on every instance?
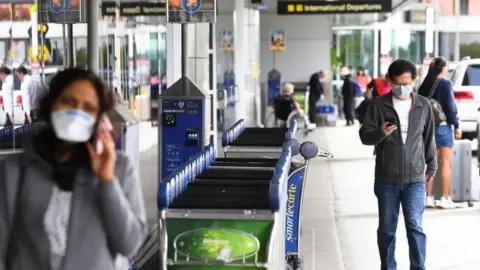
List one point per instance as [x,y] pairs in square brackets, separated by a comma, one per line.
[103,124]
[391,121]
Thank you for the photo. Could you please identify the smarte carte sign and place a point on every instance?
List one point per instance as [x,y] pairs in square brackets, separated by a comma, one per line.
[329,7]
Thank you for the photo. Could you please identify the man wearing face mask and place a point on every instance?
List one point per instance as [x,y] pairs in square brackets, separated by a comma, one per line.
[400,124]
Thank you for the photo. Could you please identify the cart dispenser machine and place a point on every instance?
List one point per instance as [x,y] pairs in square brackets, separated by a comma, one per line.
[184,114]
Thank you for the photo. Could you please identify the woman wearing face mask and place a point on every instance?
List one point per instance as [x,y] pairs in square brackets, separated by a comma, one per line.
[362,78]
[70,201]
[436,86]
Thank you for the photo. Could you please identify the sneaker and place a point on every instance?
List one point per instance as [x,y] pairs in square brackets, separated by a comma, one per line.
[311,126]
[430,202]
[446,203]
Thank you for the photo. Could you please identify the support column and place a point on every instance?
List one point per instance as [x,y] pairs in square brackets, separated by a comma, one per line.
[376,47]
[456,45]
[70,57]
[174,53]
[93,53]
[239,57]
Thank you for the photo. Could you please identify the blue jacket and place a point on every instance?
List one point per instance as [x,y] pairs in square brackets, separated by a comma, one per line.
[444,95]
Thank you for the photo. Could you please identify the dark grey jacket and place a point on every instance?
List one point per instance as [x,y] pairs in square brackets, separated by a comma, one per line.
[106,219]
[397,162]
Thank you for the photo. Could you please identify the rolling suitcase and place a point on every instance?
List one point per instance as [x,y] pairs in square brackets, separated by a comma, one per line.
[464,187]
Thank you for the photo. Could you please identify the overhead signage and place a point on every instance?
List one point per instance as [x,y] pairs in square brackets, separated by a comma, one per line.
[62,11]
[39,53]
[5,12]
[277,41]
[17,1]
[191,11]
[330,7]
[109,9]
[415,16]
[142,9]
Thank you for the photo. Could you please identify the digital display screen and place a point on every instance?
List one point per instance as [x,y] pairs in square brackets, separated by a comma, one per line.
[192,105]
[169,119]
[192,137]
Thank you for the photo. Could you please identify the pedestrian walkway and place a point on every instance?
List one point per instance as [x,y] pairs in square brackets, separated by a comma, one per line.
[340,215]
[340,211]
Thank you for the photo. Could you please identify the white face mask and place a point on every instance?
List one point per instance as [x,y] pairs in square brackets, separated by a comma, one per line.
[402,91]
[73,125]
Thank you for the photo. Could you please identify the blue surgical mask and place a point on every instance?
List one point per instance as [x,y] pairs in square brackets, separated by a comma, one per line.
[73,125]
[402,91]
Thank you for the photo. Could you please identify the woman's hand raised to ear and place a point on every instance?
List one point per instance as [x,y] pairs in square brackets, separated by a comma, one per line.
[103,161]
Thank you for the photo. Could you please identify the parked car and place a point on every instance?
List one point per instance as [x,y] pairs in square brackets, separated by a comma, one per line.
[466,86]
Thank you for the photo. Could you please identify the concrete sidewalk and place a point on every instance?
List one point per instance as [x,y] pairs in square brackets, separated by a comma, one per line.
[340,215]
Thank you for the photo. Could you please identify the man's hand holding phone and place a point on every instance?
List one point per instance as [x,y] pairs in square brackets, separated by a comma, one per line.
[389,126]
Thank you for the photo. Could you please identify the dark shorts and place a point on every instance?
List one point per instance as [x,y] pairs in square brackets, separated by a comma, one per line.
[444,136]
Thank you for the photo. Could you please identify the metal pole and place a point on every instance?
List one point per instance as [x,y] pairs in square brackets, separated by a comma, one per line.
[70,56]
[184,49]
[65,52]
[93,9]
[457,31]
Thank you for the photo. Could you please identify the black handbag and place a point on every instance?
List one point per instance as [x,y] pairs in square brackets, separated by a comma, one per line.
[13,237]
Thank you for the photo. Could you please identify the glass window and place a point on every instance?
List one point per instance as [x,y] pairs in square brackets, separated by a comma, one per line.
[57,51]
[163,54]
[80,51]
[472,76]
[18,54]
[3,51]
[356,49]
[464,7]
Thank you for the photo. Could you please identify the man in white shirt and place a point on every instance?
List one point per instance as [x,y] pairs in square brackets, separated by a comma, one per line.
[401,126]
[30,88]
[7,93]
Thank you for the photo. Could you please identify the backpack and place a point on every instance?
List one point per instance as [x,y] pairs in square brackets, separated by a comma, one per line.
[438,113]
[357,89]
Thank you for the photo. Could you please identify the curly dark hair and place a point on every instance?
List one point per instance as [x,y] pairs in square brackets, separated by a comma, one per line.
[65,78]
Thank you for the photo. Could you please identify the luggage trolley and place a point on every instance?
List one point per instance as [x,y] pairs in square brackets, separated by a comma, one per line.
[212,217]
[13,137]
[222,202]
[296,185]
[239,141]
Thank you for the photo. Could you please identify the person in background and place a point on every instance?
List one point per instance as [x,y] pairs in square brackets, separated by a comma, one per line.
[115,83]
[361,110]
[284,104]
[401,126]
[348,95]
[7,93]
[31,90]
[419,80]
[70,200]
[380,86]
[362,78]
[316,93]
[437,87]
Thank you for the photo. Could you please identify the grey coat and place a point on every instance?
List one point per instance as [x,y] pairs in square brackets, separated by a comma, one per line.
[106,219]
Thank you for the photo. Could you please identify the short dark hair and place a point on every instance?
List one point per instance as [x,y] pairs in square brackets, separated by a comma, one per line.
[22,70]
[65,78]
[401,66]
[5,70]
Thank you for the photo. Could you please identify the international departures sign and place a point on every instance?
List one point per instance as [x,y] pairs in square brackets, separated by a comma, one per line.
[333,7]
[134,9]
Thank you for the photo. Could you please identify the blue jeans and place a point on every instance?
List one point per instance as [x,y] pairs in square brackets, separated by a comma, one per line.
[412,199]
